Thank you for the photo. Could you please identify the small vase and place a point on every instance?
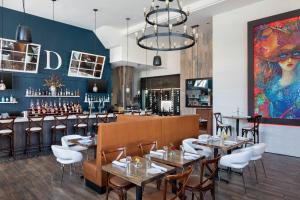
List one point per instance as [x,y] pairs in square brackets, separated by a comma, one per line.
[52,90]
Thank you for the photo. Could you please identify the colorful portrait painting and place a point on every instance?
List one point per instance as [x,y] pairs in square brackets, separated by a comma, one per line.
[274,68]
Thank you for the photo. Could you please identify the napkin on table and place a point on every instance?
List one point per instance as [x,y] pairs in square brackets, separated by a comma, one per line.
[159,167]
[155,153]
[118,163]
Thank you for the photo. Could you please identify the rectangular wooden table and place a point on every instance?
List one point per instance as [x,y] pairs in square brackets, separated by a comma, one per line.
[137,176]
[237,119]
[219,144]
[175,158]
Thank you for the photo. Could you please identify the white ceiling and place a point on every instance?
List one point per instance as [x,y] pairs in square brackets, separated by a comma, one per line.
[113,12]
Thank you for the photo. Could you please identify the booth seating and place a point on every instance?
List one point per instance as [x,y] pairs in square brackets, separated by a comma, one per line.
[130,131]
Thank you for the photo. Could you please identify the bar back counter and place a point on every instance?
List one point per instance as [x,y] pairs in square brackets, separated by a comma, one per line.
[21,123]
[129,131]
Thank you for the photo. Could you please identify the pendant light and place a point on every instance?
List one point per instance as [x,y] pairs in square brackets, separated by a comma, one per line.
[2,84]
[23,33]
[157,60]
[95,87]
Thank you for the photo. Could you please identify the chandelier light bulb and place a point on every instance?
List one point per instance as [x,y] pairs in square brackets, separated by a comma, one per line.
[194,31]
[155,28]
[188,11]
[184,28]
[136,34]
[152,4]
[175,44]
[167,3]
[186,42]
[151,44]
[196,35]
[181,4]
[170,27]
[163,45]
[145,11]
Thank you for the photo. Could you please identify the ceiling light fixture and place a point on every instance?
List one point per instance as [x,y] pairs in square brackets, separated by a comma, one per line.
[2,84]
[23,33]
[166,35]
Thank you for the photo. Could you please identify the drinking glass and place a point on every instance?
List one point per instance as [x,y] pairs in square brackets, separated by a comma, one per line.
[148,161]
[128,165]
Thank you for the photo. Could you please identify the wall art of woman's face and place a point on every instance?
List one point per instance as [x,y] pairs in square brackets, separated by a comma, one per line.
[289,57]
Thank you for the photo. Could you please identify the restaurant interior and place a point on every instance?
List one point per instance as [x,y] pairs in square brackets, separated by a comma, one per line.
[152,99]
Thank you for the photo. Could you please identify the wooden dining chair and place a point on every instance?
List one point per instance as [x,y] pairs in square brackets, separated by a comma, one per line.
[35,126]
[115,183]
[7,131]
[206,180]
[82,123]
[146,147]
[254,130]
[181,179]
[60,125]
[220,125]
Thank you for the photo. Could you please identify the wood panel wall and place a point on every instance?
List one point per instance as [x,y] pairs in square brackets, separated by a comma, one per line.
[191,67]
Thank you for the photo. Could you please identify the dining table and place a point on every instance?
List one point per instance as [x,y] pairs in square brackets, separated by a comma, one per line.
[141,175]
[176,159]
[87,142]
[237,119]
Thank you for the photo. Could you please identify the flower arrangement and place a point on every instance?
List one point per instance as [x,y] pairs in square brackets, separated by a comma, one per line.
[53,81]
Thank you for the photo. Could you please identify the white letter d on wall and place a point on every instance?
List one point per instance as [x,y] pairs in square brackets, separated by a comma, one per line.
[48,64]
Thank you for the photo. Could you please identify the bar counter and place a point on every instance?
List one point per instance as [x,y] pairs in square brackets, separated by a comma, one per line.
[21,123]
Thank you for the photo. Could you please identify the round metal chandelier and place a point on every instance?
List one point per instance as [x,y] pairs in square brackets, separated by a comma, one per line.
[165,28]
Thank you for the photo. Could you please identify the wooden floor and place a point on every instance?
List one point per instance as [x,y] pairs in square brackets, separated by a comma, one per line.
[38,178]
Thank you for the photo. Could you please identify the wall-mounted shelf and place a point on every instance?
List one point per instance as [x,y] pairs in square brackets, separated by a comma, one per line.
[8,102]
[96,101]
[48,96]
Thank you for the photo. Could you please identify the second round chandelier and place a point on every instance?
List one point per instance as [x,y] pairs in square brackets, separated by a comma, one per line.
[165,28]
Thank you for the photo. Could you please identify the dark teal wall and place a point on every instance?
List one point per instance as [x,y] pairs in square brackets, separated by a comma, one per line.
[54,36]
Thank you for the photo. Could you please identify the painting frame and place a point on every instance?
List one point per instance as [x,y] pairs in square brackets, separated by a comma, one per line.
[251,65]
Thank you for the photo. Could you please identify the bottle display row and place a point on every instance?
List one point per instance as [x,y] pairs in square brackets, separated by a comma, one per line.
[93,98]
[54,107]
[8,99]
[31,92]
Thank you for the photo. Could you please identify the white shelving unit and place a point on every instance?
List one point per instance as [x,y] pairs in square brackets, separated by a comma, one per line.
[19,57]
[8,102]
[86,65]
[48,96]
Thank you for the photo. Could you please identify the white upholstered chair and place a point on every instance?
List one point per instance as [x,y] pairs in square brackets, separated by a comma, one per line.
[65,156]
[257,151]
[237,161]
[188,146]
[68,145]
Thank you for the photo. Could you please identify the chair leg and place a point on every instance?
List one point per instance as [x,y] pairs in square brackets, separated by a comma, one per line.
[25,150]
[62,173]
[201,196]
[262,163]
[193,195]
[255,171]
[244,181]
[212,192]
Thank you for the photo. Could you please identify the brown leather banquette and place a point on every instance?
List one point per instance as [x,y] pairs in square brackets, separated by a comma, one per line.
[129,131]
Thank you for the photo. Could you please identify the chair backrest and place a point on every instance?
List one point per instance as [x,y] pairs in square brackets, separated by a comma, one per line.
[188,145]
[61,120]
[7,123]
[101,119]
[113,154]
[82,119]
[258,149]
[145,148]
[209,167]
[256,122]
[64,140]
[218,117]
[241,157]
[36,121]
[66,154]
[181,179]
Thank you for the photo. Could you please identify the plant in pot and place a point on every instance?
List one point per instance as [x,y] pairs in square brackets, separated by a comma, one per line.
[53,82]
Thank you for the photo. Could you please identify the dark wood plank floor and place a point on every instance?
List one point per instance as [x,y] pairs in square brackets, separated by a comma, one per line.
[38,178]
